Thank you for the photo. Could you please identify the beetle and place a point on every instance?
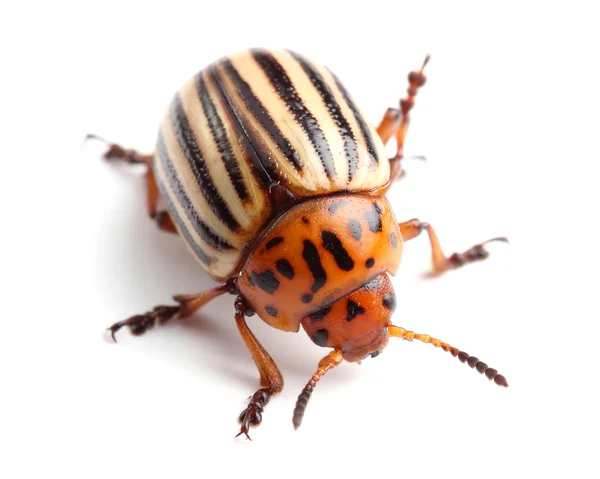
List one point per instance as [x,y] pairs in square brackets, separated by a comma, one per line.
[276,181]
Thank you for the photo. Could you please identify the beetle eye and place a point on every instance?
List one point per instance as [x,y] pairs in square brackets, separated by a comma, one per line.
[375,354]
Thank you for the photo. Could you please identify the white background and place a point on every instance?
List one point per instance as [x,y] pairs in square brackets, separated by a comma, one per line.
[509,123]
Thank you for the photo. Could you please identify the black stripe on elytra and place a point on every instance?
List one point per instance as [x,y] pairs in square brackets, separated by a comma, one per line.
[310,253]
[287,92]
[259,112]
[285,268]
[262,169]
[335,112]
[191,152]
[267,281]
[199,252]
[373,218]
[201,228]
[274,242]
[319,314]
[353,310]
[219,134]
[364,128]
[333,207]
[333,244]
[355,229]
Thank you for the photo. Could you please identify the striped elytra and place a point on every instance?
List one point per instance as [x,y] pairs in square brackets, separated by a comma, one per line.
[246,123]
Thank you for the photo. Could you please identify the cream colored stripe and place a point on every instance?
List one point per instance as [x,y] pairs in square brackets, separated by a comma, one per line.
[222,262]
[313,101]
[365,177]
[253,74]
[212,157]
[257,203]
[190,186]
[276,157]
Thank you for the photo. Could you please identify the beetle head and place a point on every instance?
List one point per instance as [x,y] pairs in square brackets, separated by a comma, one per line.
[357,323]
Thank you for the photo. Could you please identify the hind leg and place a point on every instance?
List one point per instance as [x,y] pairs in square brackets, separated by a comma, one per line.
[154,200]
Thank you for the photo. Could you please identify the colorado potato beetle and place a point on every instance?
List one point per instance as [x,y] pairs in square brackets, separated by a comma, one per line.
[267,168]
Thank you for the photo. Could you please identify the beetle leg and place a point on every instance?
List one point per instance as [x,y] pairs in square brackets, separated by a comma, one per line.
[271,379]
[395,121]
[188,305]
[154,200]
[463,357]
[413,228]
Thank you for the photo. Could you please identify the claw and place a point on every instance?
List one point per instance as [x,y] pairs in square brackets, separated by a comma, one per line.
[109,336]
[475,253]
[91,136]
[504,239]
[242,431]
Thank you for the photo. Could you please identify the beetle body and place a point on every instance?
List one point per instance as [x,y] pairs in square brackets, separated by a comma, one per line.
[275,180]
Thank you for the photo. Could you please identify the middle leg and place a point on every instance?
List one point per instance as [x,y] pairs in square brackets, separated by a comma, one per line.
[395,121]
[413,228]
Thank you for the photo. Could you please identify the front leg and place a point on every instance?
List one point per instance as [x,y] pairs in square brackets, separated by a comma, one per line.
[396,120]
[271,379]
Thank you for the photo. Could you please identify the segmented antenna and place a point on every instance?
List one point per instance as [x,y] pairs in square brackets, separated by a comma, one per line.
[330,361]
[463,357]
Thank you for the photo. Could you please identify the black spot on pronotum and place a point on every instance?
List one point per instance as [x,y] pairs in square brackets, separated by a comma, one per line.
[393,239]
[355,229]
[333,244]
[370,262]
[372,284]
[272,310]
[333,207]
[310,253]
[274,242]
[372,217]
[320,337]
[266,281]
[389,301]
[320,314]
[285,268]
[305,220]
[353,310]
[306,298]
